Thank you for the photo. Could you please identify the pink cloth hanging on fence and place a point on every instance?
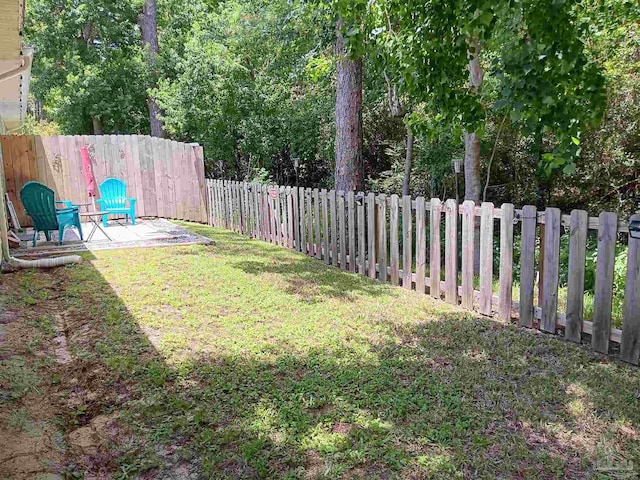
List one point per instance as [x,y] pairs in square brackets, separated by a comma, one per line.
[88,172]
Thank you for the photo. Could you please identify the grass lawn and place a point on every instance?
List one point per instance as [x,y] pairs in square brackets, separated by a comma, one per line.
[245,360]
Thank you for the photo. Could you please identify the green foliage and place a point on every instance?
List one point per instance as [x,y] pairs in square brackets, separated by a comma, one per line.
[537,71]
[88,63]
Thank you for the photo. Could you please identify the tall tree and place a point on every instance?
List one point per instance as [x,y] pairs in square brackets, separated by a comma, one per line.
[88,70]
[534,51]
[148,21]
[349,173]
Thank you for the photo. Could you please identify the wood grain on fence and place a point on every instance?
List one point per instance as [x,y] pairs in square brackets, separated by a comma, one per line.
[468,252]
[575,283]
[421,245]
[603,297]
[506,261]
[551,269]
[434,248]
[527,264]
[371,234]
[394,246]
[407,238]
[451,252]
[486,258]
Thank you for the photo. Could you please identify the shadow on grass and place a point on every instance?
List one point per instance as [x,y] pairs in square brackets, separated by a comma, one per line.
[454,397]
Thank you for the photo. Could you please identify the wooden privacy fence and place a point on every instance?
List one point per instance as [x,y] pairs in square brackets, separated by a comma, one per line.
[401,240]
[167,177]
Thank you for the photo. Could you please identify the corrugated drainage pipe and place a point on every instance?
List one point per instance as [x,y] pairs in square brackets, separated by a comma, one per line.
[44,262]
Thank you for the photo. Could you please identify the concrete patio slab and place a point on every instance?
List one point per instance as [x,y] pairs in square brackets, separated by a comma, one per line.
[145,233]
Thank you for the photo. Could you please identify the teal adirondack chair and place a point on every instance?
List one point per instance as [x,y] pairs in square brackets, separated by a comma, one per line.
[39,202]
[114,200]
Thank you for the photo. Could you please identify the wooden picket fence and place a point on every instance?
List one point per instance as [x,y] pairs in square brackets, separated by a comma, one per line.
[167,177]
[385,237]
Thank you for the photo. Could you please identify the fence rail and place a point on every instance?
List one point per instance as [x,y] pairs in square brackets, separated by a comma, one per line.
[399,240]
[167,177]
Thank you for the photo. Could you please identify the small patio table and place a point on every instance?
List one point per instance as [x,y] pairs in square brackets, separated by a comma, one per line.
[95,217]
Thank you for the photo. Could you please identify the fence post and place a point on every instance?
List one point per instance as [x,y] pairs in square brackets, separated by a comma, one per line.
[505,292]
[603,299]
[630,348]
[434,247]
[468,252]
[575,284]
[551,267]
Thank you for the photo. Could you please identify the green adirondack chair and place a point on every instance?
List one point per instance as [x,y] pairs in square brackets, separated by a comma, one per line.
[39,202]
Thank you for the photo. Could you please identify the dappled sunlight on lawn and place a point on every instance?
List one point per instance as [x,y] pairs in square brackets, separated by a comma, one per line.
[242,360]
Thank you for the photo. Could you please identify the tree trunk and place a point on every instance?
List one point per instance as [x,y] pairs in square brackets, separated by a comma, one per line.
[149,25]
[406,181]
[348,115]
[472,187]
[98,127]
[471,139]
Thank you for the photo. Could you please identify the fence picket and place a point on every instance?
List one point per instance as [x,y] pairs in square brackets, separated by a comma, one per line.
[351,224]
[505,293]
[630,348]
[421,245]
[486,257]
[575,284]
[407,238]
[361,235]
[603,298]
[273,202]
[551,269]
[325,226]
[316,223]
[302,226]
[468,252]
[310,247]
[527,264]
[371,233]
[292,196]
[342,231]
[435,261]
[451,252]
[334,227]
[382,238]
[395,241]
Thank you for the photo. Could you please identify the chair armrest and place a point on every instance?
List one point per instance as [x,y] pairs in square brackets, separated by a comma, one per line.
[132,201]
[66,203]
[67,210]
[100,201]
